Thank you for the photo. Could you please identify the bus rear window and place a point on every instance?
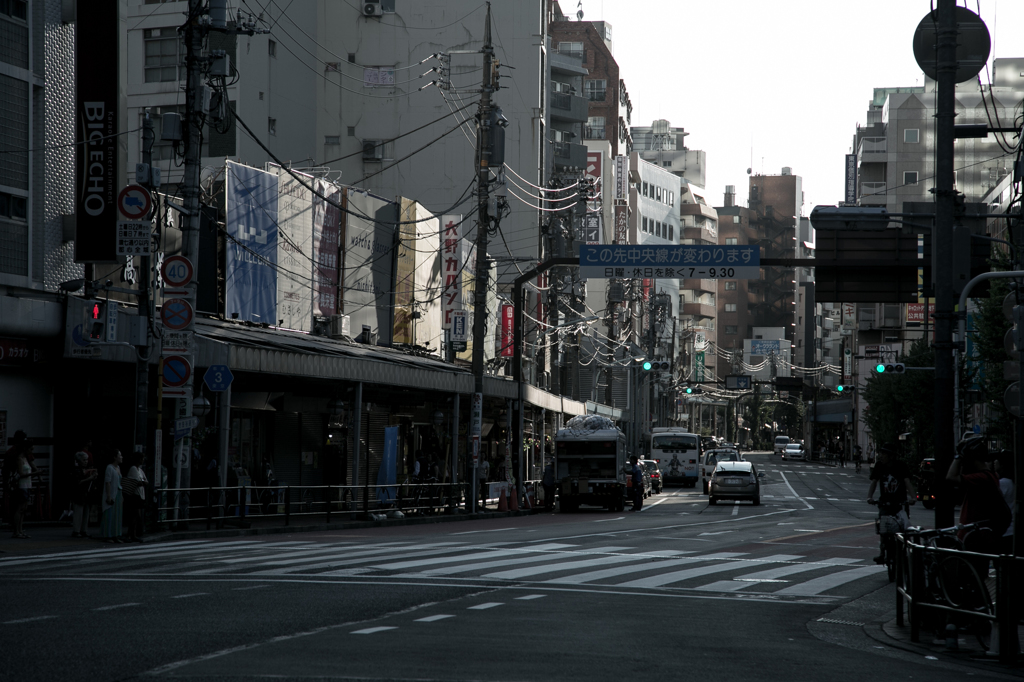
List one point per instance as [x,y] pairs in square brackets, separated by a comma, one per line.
[674,443]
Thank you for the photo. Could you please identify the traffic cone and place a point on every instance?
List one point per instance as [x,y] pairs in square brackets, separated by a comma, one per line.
[514,501]
[502,502]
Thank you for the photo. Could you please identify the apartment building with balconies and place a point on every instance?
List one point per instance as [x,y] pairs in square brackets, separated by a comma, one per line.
[737,298]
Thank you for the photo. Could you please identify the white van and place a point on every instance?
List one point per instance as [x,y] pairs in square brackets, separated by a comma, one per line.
[780,444]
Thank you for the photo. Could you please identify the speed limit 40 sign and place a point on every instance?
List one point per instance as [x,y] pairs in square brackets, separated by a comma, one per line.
[177,272]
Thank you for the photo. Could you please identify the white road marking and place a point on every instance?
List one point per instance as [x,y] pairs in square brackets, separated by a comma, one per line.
[432,619]
[493,530]
[485,605]
[532,596]
[686,574]
[786,481]
[364,559]
[735,510]
[518,573]
[580,578]
[370,631]
[27,620]
[719,532]
[827,582]
[117,606]
[186,596]
[615,519]
[251,587]
[462,557]
[771,575]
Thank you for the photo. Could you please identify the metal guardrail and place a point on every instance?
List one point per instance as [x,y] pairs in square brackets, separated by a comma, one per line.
[239,505]
[916,597]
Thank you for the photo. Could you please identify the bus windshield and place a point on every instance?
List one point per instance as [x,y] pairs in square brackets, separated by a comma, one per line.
[675,442]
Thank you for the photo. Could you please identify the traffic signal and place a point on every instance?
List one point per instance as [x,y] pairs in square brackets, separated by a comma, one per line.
[95,319]
[689,389]
[843,388]
[648,365]
[890,368]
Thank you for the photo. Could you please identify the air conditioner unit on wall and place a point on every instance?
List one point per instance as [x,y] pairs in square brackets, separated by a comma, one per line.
[372,9]
[373,150]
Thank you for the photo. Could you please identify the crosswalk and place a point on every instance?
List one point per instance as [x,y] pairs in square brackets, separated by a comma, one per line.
[541,562]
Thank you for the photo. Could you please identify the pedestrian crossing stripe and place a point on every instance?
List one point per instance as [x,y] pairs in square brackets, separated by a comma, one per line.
[552,564]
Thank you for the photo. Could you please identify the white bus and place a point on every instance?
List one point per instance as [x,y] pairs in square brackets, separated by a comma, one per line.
[677,452]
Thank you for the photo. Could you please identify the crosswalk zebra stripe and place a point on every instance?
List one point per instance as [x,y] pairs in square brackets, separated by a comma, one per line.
[827,582]
[580,578]
[518,573]
[517,561]
[343,560]
[686,574]
[482,555]
[329,553]
[109,553]
[772,574]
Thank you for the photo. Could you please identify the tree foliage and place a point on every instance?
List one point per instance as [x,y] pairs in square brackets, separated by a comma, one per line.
[988,328]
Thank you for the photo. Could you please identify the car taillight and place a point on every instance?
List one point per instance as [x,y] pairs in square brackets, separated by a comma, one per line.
[753,479]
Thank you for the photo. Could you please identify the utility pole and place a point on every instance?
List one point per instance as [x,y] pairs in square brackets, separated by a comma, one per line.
[145,303]
[483,153]
[946,65]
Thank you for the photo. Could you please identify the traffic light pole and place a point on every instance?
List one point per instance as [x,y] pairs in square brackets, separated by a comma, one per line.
[145,311]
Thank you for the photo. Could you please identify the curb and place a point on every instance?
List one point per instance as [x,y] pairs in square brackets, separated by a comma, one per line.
[883,632]
[169,536]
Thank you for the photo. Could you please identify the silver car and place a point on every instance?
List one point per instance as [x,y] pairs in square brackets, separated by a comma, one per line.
[735,481]
[711,460]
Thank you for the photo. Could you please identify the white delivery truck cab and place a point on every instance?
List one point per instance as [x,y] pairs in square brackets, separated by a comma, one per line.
[590,464]
[780,444]
[677,452]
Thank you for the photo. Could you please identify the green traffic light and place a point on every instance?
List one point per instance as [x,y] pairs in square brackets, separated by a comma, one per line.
[880,368]
[840,388]
[647,365]
[689,390]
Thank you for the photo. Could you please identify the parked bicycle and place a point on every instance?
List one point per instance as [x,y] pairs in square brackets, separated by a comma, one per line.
[886,526]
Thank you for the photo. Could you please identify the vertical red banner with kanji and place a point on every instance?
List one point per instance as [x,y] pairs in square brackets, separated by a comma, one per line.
[451,267]
[507,330]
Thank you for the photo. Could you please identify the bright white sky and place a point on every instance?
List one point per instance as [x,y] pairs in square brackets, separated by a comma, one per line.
[790,79]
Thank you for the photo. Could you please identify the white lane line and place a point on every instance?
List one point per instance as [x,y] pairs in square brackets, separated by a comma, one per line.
[517,561]
[746,580]
[470,532]
[786,481]
[531,596]
[686,574]
[664,499]
[191,594]
[251,587]
[117,606]
[719,532]
[827,582]
[27,620]
[580,578]
[370,631]
[615,519]
[432,619]
[486,605]
[735,510]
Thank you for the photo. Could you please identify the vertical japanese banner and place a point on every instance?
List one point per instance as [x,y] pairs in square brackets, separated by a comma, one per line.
[851,178]
[507,330]
[699,365]
[621,178]
[294,252]
[451,267]
[326,230]
[621,224]
[405,274]
[250,281]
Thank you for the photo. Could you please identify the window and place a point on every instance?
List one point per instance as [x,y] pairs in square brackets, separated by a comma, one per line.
[730,241]
[731,329]
[261,96]
[272,48]
[644,224]
[272,126]
[912,135]
[332,140]
[351,131]
[572,49]
[657,228]
[730,285]
[15,8]
[672,233]
[161,46]
[645,189]
[657,193]
[910,178]
[13,206]
[595,89]
[736,220]
[595,128]
[351,57]
[730,307]
[671,198]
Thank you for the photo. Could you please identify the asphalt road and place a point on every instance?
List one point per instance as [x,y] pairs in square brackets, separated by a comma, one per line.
[681,590]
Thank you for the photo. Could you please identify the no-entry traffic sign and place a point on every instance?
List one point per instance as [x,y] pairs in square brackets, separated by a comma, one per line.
[134,202]
[176,313]
[177,371]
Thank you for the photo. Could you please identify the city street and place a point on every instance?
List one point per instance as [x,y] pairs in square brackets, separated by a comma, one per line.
[679,590]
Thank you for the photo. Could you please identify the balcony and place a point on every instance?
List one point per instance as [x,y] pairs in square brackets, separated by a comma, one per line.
[569,108]
[872,194]
[568,154]
[593,132]
[699,285]
[699,310]
[872,150]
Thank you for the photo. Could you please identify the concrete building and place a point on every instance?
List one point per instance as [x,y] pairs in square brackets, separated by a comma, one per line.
[737,298]
[665,146]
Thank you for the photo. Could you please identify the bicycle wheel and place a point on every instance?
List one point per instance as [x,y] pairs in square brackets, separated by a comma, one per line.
[963,588]
[890,557]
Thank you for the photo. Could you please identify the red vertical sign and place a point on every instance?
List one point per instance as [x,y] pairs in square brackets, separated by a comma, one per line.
[507,330]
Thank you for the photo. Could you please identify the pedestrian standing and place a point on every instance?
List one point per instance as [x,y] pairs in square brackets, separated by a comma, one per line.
[842,457]
[81,497]
[111,524]
[134,489]
[24,471]
[549,486]
[483,472]
[1005,469]
[637,477]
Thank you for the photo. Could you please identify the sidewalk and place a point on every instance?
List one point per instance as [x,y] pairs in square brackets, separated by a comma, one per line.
[54,537]
[968,651]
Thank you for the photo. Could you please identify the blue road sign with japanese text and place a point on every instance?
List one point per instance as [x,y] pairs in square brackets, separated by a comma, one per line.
[645,261]
[218,377]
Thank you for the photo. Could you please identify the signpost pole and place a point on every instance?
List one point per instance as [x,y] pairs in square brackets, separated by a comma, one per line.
[145,307]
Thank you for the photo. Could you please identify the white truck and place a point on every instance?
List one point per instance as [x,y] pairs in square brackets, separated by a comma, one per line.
[678,453]
[590,464]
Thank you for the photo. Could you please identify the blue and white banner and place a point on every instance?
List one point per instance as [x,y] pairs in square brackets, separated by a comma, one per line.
[250,287]
[632,261]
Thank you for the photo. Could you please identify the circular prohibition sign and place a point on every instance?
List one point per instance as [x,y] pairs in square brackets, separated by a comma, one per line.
[177,371]
[176,314]
[177,271]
